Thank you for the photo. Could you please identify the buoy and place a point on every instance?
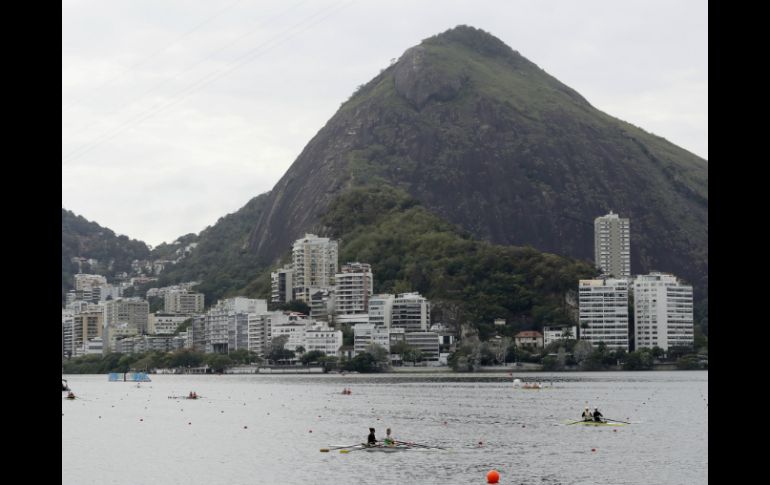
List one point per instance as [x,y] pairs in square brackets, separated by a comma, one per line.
[245,427]
[481,442]
[523,425]
[493,476]
[141,419]
[310,431]
[189,423]
[593,449]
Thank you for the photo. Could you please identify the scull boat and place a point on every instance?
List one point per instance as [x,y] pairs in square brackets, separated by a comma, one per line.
[596,423]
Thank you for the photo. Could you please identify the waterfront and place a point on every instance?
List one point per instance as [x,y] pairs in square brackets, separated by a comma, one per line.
[254,429]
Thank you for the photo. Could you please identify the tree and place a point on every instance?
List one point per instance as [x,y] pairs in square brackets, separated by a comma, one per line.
[300,349]
[363,362]
[278,351]
[380,353]
[218,362]
[312,356]
[413,355]
[582,350]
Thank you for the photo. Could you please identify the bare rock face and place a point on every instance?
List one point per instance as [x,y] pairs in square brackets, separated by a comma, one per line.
[420,81]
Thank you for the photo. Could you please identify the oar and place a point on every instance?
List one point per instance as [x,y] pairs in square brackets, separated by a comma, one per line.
[575,422]
[326,450]
[417,444]
[616,421]
[362,447]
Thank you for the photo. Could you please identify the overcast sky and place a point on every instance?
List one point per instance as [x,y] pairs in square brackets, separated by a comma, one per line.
[175,113]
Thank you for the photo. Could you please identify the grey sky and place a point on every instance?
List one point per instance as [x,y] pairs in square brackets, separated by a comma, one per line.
[175,113]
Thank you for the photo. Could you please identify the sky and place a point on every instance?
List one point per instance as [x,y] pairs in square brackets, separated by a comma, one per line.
[178,112]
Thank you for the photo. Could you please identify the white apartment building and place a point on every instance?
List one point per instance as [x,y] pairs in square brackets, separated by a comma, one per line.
[410,312]
[164,323]
[227,325]
[67,322]
[124,317]
[554,334]
[603,312]
[381,310]
[315,264]
[354,287]
[243,305]
[365,334]
[259,333]
[282,284]
[612,245]
[183,302]
[425,342]
[85,326]
[89,281]
[324,339]
[294,325]
[663,311]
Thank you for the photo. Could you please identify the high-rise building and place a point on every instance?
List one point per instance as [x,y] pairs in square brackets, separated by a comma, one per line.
[282,284]
[663,312]
[315,264]
[381,310]
[85,326]
[354,287]
[410,312]
[183,302]
[124,317]
[612,245]
[604,312]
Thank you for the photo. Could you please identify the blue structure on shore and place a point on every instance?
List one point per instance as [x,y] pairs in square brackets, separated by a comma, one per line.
[129,377]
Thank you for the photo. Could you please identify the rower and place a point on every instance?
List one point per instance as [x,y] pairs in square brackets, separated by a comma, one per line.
[371,440]
[389,441]
[598,416]
[587,416]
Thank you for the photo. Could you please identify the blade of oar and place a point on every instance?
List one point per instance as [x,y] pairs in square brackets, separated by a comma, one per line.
[575,422]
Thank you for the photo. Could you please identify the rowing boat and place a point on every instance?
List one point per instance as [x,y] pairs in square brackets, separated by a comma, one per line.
[595,423]
[380,448]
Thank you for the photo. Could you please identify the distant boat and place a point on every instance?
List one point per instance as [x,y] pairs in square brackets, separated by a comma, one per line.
[129,377]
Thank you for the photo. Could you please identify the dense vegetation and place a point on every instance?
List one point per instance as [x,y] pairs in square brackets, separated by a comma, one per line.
[85,239]
[222,261]
[468,281]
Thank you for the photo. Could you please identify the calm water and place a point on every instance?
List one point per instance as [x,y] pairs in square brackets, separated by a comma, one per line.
[257,429]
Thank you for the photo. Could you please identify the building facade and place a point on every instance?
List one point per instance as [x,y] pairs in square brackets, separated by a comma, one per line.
[282,284]
[554,334]
[603,312]
[612,245]
[663,311]
[354,287]
[315,264]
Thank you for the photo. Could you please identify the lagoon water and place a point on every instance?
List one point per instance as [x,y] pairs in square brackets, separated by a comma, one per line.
[260,429]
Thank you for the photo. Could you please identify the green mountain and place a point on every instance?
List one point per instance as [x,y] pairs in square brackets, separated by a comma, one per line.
[487,140]
[466,280]
[222,260]
[81,238]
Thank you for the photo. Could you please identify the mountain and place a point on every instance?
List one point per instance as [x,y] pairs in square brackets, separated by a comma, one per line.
[222,260]
[81,238]
[487,140]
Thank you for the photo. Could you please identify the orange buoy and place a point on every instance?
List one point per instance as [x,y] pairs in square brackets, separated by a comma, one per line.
[493,476]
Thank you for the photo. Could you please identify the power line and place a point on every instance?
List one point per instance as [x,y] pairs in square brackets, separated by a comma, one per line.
[146,59]
[183,94]
[190,68]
